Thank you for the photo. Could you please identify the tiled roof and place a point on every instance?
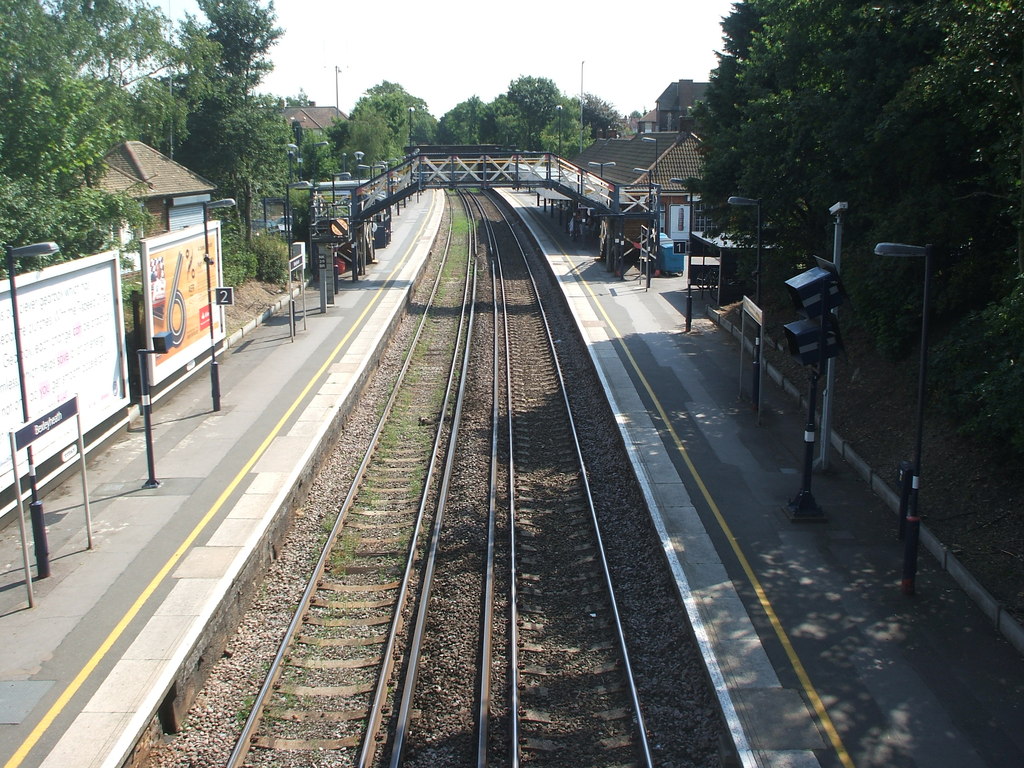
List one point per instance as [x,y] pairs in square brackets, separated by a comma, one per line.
[679,158]
[313,118]
[141,171]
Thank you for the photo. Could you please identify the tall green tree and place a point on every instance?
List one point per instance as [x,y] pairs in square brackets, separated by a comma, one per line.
[534,99]
[235,137]
[69,80]
[463,123]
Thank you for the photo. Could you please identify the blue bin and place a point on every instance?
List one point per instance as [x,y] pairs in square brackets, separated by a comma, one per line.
[668,259]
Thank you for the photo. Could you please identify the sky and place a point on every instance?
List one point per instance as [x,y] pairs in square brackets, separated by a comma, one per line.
[447,51]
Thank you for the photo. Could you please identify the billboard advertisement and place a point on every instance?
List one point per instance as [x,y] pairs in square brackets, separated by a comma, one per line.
[71,327]
[177,288]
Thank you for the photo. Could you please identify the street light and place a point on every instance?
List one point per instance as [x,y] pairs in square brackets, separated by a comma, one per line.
[654,169]
[602,166]
[558,108]
[913,520]
[42,550]
[316,158]
[757,267]
[411,110]
[359,158]
[214,366]
[293,152]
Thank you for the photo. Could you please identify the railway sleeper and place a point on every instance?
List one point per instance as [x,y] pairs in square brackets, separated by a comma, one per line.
[305,745]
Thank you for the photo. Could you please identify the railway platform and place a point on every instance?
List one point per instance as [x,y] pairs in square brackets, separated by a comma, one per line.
[819,657]
[83,671]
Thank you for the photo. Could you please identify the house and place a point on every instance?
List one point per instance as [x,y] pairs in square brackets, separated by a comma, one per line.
[672,110]
[313,118]
[655,158]
[170,192]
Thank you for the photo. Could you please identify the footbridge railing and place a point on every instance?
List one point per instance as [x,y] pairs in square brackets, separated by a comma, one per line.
[518,170]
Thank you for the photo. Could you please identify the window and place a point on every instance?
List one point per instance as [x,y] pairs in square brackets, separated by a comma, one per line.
[701,220]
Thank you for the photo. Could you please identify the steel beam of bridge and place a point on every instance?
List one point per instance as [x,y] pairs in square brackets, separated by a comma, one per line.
[520,170]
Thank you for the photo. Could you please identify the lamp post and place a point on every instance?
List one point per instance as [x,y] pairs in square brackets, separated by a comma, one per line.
[214,365]
[316,158]
[581,106]
[411,110]
[654,166]
[913,520]
[558,108]
[747,201]
[42,550]
[602,166]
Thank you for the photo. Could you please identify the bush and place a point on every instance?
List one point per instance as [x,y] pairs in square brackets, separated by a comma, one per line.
[979,372]
[239,261]
[264,259]
[271,258]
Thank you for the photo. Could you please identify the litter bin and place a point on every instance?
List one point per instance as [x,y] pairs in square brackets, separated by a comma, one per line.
[668,260]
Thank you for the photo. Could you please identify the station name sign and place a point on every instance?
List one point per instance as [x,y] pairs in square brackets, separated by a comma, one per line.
[33,430]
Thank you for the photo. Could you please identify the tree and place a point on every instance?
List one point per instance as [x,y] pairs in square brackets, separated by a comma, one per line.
[388,104]
[601,117]
[70,77]
[534,100]
[235,137]
[462,124]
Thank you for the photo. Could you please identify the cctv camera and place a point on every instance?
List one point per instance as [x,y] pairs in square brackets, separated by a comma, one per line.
[838,207]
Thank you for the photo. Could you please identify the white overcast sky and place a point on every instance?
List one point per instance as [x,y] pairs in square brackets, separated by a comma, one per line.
[446,51]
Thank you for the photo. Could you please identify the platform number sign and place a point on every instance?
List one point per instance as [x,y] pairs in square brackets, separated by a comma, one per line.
[225,295]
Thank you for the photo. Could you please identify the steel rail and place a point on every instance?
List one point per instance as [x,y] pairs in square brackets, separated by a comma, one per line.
[245,737]
[465,338]
[620,634]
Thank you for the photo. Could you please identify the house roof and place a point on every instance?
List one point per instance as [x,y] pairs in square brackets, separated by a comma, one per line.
[681,95]
[313,118]
[676,154]
[141,171]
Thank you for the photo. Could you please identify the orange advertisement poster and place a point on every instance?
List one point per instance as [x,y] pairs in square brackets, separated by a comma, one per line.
[180,285]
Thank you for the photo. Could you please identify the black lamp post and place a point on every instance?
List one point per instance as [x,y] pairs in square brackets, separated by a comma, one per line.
[293,151]
[214,366]
[913,520]
[558,108]
[757,265]
[359,159]
[42,549]
[654,167]
[411,110]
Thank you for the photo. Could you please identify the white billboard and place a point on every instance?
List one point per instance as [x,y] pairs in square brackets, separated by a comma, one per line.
[72,339]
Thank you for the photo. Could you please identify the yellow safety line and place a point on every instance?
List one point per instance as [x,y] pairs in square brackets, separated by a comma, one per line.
[812,694]
[62,701]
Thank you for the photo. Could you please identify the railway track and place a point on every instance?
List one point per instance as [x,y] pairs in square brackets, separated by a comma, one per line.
[328,687]
[463,611]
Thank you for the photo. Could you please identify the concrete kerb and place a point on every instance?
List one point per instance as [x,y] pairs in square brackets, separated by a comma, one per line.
[1004,623]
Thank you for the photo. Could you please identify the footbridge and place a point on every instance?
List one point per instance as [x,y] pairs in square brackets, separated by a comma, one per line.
[352,217]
